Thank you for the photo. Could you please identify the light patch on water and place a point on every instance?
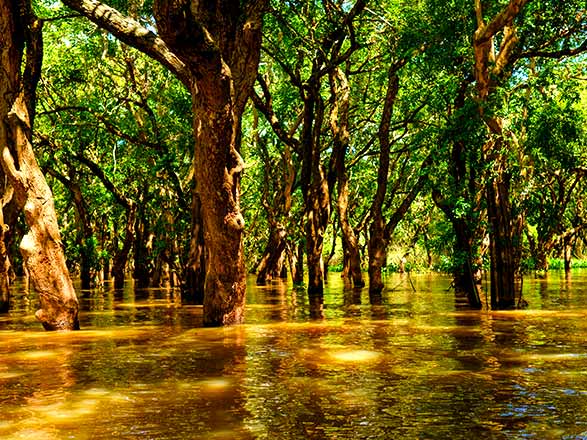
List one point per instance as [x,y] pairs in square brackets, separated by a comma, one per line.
[148,305]
[10,375]
[355,356]
[36,355]
[215,384]
[65,413]
[546,357]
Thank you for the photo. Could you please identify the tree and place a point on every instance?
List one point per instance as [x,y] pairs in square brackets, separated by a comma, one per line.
[41,247]
[213,47]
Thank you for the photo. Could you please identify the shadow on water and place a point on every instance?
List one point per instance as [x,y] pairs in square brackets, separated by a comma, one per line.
[412,364]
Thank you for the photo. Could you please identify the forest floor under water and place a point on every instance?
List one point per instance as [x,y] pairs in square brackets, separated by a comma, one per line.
[418,366]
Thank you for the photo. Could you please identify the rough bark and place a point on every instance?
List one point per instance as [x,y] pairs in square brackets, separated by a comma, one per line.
[41,247]
[222,55]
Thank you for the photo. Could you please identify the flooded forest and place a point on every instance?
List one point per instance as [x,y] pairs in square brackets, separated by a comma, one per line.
[293,219]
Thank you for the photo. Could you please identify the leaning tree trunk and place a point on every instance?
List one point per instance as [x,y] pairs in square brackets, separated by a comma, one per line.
[41,247]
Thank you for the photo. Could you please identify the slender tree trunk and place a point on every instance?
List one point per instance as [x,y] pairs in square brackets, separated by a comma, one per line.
[542,261]
[315,189]
[121,257]
[468,274]
[4,268]
[339,123]
[41,247]
[567,253]
[377,250]
[295,255]
[196,267]
[272,260]
[141,272]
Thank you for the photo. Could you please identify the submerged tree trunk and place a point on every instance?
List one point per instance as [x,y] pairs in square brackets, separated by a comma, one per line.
[41,247]
[193,289]
[4,267]
[121,256]
[272,260]
[141,249]
[505,246]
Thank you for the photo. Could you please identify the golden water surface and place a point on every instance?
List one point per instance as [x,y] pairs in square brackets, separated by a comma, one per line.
[420,366]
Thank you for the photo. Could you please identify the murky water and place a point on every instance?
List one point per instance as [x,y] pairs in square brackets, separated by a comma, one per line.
[418,367]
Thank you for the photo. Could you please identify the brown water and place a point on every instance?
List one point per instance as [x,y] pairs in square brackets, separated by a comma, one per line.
[417,367]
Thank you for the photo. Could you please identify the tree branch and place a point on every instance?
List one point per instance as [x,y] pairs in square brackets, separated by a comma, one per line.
[132,33]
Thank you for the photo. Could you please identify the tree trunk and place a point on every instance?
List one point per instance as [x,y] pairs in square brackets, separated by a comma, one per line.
[567,253]
[4,268]
[141,251]
[121,257]
[493,65]
[377,250]
[195,277]
[339,124]
[505,245]
[468,275]
[41,247]
[272,261]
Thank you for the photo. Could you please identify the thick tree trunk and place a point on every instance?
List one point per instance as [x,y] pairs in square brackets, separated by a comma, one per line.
[41,247]
[214,49]
[218,174]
